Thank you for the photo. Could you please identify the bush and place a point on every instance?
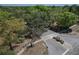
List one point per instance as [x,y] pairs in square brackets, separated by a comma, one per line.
[19,40]
[5,51]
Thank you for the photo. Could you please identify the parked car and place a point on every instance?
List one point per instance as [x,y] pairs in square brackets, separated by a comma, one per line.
[58,39]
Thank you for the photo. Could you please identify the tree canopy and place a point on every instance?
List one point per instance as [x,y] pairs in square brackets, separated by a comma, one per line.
[19,20]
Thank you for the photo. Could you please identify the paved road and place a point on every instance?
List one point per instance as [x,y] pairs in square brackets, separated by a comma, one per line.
[74,41]
[55,48]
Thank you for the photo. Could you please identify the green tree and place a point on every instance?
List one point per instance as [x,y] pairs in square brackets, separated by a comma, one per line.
[36,22]
[10,28]
[66,19]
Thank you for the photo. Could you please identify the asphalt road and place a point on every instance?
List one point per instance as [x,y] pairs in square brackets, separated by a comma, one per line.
[74,41]
[54,48]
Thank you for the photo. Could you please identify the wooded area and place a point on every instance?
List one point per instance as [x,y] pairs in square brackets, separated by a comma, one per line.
[17,22]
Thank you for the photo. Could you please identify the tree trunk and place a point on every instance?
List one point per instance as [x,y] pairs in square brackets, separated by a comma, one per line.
[10,45]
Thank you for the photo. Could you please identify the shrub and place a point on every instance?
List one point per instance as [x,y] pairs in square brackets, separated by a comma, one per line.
[5,51]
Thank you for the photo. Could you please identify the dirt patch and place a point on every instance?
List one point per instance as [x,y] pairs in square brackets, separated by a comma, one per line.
[74,33]
[20,46]
[38,49]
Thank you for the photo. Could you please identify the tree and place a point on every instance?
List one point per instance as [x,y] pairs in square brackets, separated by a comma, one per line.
[10,28]
[36,22]
[64,20]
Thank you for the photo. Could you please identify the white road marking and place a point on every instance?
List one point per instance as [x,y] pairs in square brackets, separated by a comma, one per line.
[37,41]
[65,45]
[21,51]
[66,51]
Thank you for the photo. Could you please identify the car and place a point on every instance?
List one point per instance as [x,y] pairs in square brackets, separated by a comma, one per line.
[58,39]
